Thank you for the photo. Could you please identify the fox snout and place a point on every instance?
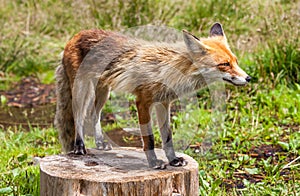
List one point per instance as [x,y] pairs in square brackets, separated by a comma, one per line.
[233,74]
[237,80]
[248,79]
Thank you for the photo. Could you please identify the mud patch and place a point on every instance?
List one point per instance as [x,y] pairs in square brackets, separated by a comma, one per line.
[29,92]
[120,137]
[25,118]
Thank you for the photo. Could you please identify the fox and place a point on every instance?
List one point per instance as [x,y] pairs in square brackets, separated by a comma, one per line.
[156,73]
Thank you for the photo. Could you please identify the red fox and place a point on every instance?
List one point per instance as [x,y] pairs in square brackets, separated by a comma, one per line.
[156,73]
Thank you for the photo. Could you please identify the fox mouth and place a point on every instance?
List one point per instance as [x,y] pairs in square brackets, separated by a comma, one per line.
[235,84]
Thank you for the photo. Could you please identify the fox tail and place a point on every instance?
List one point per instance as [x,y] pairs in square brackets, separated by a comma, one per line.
[64,120]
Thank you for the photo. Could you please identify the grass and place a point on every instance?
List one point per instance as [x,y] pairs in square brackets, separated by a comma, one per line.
[263,119]
[265,114]
[18,172]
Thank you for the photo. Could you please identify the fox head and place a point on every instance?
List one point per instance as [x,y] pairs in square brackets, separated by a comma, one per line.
[213,57]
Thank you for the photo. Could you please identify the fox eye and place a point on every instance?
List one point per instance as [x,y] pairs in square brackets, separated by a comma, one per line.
[224,64]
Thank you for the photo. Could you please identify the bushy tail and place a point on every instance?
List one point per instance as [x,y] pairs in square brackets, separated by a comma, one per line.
[64,120]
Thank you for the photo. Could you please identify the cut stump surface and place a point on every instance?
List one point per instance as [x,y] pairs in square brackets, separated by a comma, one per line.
[119,172]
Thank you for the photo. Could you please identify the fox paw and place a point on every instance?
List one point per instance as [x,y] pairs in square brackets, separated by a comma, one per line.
[103,146]
[79,150]
[158,164]
[178,162]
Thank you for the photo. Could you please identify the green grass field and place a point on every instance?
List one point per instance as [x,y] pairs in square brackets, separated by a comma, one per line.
[255,148]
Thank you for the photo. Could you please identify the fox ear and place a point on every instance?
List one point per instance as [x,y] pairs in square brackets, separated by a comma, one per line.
[217,30]
[193,43]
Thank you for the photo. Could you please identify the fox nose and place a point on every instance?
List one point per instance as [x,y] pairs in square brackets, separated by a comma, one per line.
[248,78]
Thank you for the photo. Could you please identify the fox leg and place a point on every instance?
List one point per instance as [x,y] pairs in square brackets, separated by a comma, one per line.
[102,94]
[83,100]
[163,119]
[80,105]
[147,135]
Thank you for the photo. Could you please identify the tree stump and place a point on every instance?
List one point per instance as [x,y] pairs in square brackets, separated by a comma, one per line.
[119,172]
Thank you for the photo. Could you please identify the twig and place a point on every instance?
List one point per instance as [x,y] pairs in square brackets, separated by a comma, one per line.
[290,163]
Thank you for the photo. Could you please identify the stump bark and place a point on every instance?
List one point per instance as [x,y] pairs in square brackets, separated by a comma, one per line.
[119,172]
